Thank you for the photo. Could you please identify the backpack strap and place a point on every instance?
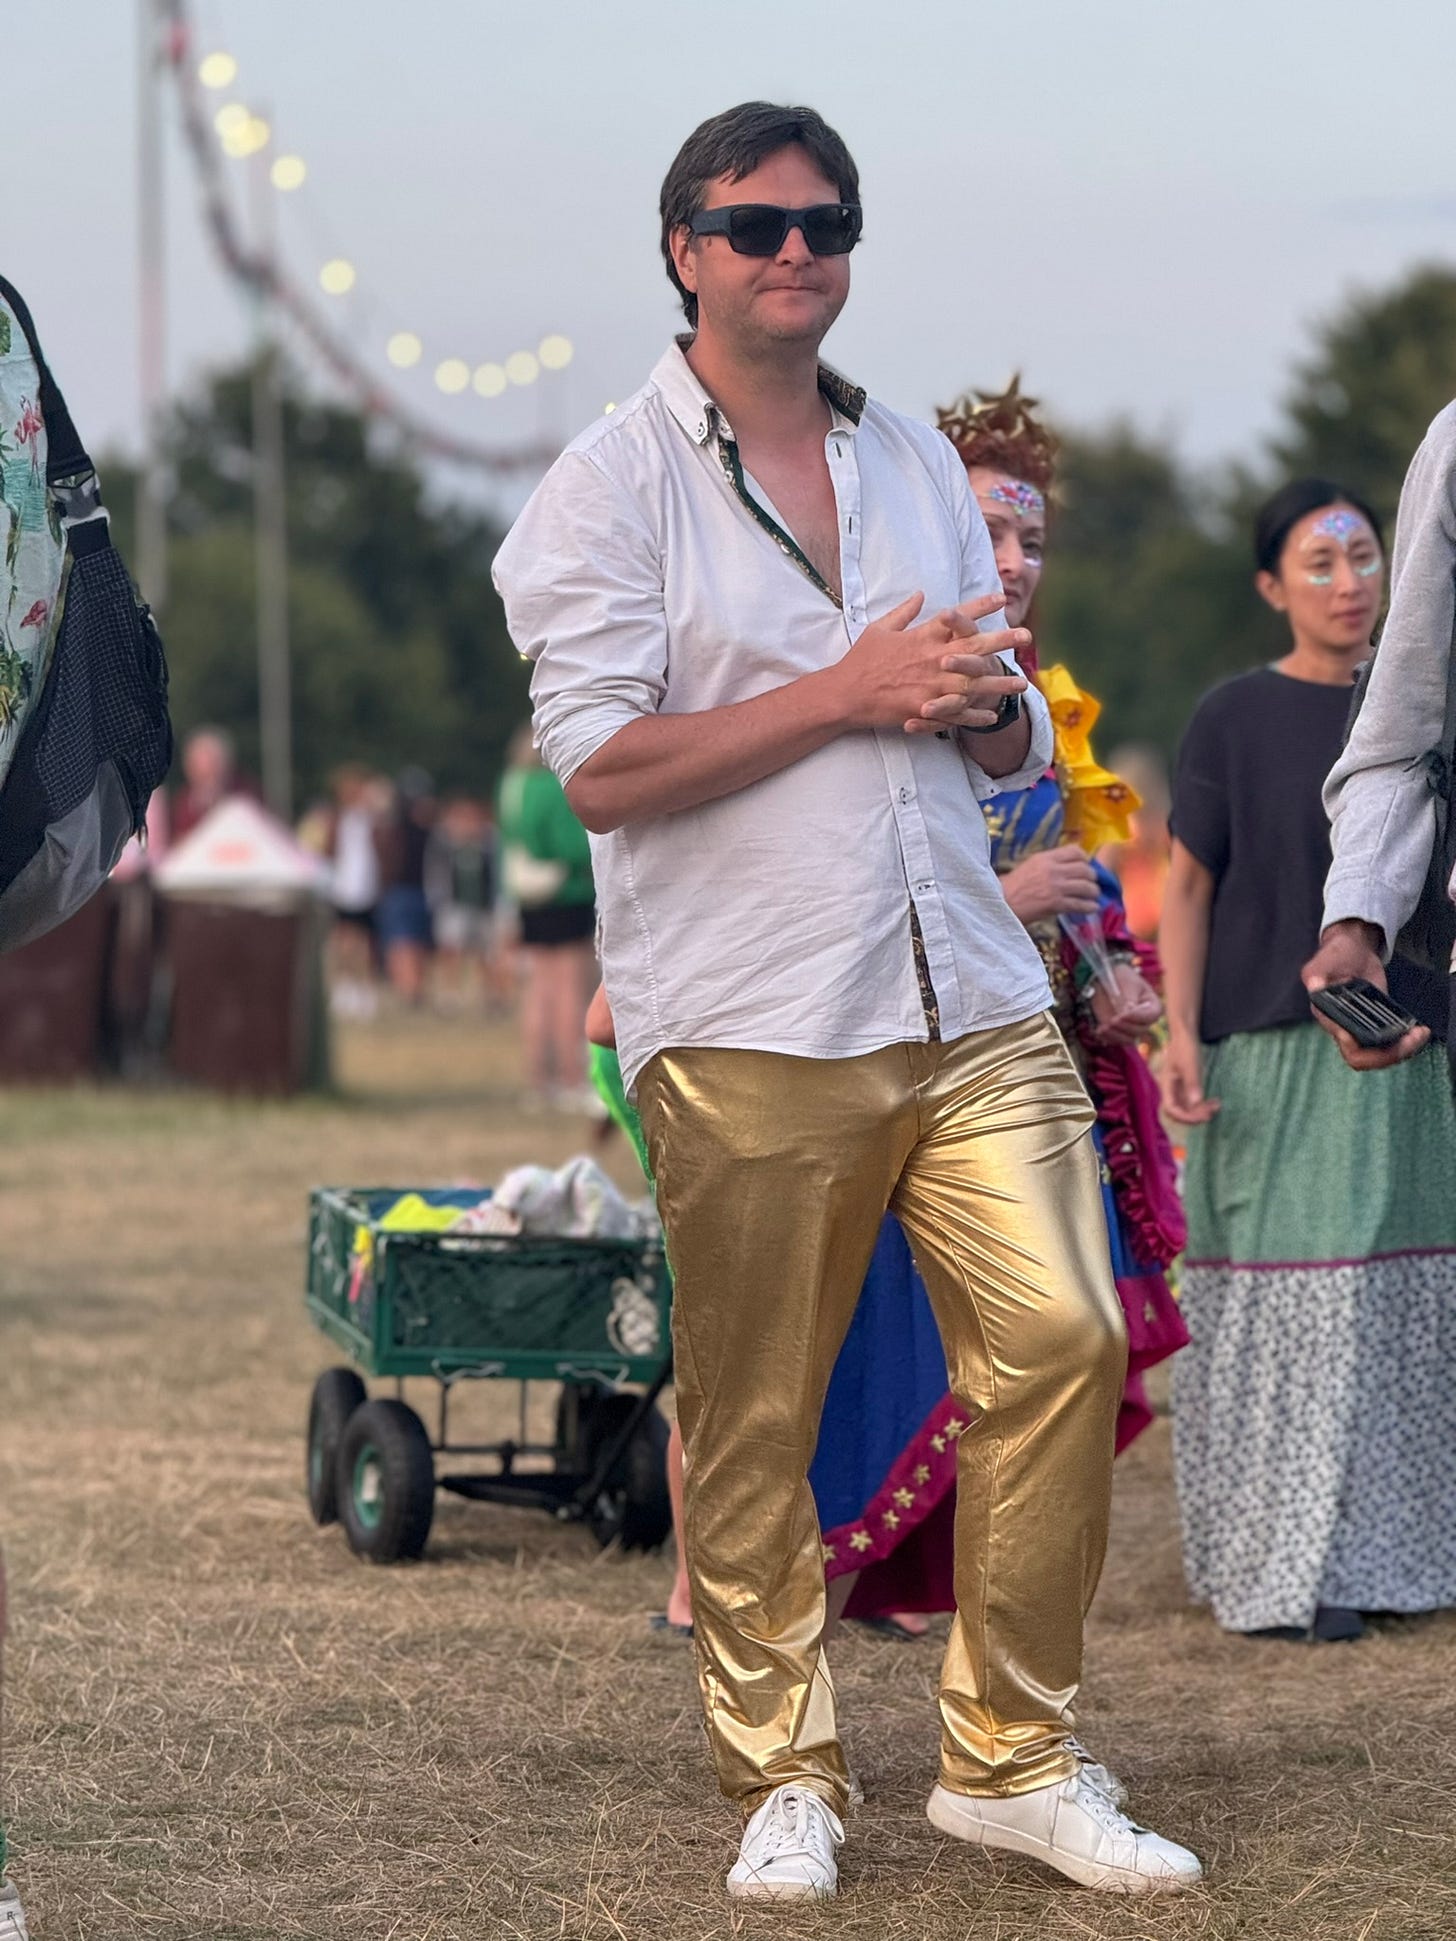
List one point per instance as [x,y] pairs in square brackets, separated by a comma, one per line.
[66,456]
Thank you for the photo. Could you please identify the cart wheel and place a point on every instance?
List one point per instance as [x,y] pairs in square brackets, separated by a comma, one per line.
[575,1407]
[632,1507]
[384,1478]
[336,1395]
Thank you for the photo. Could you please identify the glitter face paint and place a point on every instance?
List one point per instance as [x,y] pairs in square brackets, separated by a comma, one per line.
[1343,526]
[1024,500]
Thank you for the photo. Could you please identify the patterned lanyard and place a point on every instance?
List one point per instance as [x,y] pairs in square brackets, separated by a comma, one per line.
[733,470]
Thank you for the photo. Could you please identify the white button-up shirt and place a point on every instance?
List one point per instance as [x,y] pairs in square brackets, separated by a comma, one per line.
[777,918]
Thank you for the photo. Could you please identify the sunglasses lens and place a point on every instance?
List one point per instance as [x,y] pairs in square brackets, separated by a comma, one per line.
[756,229]
[832,230]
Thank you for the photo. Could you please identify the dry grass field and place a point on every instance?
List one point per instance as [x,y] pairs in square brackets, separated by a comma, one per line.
[221,1727]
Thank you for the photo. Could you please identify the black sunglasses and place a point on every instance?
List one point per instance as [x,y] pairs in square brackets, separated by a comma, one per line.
[760,228]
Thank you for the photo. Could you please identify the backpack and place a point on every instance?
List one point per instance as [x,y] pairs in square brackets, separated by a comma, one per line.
[87,690]
[1429,936]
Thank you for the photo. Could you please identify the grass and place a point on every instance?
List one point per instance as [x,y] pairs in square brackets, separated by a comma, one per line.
[221,1727]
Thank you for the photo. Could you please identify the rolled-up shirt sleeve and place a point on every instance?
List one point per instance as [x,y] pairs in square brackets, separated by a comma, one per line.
[979,577]
[580,576]
[1378,796]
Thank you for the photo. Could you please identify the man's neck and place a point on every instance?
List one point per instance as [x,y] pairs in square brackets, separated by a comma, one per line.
[771,400]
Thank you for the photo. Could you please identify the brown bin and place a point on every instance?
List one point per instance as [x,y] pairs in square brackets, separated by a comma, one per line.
[52,997]
[245,1012]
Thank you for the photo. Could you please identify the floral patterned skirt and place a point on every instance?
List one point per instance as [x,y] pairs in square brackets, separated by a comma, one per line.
[1315,1410]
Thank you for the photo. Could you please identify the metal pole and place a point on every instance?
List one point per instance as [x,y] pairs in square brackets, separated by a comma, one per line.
[270,524]
[151,510]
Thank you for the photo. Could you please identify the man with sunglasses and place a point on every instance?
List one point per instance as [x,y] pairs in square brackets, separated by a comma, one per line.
[770,674]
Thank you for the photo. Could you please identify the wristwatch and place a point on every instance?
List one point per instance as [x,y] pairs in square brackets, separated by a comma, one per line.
[1009,711]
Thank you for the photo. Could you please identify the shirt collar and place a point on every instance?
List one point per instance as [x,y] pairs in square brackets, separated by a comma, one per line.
[700,416]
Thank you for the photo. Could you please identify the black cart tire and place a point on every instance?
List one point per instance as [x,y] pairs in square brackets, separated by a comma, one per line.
[577,1403]
[336,1395]
[632,1507]
[384,1478]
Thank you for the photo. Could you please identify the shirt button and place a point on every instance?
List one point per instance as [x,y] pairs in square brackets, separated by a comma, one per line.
[904,795]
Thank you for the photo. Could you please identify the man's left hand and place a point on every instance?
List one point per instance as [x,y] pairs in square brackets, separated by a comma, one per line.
[984,675]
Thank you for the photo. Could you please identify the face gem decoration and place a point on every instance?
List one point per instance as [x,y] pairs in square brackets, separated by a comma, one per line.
[1025,501]
[1344,527]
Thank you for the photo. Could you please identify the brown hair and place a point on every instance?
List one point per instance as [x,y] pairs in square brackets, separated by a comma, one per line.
[1002,432]
[733,144]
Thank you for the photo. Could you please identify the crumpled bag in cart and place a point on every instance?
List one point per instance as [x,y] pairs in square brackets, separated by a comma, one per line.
[578,1202]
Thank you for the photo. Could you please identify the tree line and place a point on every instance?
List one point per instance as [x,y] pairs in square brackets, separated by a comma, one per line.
[400,651]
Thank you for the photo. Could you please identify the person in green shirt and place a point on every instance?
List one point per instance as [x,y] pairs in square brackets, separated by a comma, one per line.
[547,875]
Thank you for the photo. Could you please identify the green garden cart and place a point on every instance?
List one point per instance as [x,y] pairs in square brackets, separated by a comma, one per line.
[589,1315]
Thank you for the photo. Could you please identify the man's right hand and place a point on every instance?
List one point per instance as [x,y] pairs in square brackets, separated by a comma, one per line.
[1053,883]
[1352,949]
[896,667]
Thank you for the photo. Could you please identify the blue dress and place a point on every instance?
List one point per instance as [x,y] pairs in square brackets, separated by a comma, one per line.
[883,1474]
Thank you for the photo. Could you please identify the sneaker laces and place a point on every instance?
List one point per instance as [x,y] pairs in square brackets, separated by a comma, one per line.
[1096,1804]
[796,1822]
[1092,1768]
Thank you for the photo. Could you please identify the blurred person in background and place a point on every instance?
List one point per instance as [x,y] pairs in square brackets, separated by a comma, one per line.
[209,776]
[546,872]
[1315,1411]
[1140,864]
[403,923]
[460,878]
[346,837]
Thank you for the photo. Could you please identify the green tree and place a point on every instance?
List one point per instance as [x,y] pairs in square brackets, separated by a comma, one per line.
[1147,596]
[399,645]
[1379,371]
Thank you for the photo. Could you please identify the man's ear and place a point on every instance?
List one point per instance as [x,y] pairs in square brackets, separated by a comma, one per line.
[1271,590]
[684,257]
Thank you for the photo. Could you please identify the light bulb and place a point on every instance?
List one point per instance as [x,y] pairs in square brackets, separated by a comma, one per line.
[218,71]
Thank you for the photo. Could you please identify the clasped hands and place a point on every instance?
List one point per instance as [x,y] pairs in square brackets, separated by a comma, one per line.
[921,679]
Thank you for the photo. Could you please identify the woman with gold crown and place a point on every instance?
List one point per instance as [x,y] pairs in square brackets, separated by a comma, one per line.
[1043,841]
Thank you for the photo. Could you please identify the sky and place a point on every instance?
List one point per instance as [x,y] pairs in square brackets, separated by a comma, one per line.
[1145,205]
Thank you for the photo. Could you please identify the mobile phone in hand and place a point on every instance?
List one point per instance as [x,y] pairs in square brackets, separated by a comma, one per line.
[1370,1015]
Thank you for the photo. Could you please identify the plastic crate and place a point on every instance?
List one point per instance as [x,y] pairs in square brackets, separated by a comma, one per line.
[527,1309]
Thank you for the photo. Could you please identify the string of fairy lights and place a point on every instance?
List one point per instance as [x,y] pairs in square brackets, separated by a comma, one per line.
[218,123]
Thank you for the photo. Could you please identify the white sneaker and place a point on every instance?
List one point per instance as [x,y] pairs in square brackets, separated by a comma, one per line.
[855,1791]
[788,1850]
[1096,1774]
[12,1914]
[1074,1827]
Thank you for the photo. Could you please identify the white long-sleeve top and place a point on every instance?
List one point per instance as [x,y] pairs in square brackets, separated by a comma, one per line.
[1378,796]
[639,580]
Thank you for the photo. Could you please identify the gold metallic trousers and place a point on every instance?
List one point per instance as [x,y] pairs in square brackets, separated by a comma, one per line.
[773,1175]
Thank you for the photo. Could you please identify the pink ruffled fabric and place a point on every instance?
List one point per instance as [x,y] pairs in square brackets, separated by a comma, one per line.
[1144,1176]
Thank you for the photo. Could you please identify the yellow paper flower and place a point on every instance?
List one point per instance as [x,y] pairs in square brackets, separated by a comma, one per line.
[1098,805]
